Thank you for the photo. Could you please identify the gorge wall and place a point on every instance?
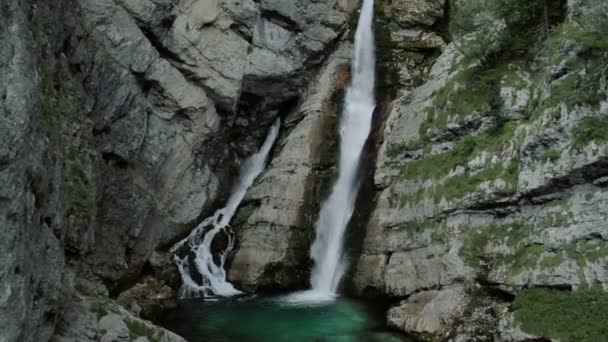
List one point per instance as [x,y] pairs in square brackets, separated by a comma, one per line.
[486,217]
[123,123]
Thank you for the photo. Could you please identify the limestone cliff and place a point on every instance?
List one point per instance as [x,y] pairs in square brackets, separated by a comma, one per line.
[489,182]
[123,122]
[491,176]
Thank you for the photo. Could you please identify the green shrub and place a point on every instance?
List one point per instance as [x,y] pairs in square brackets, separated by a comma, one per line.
[592,128]
[569,316]
[551,155]
[581,86]
[462,151]
[590,27]
[498,29]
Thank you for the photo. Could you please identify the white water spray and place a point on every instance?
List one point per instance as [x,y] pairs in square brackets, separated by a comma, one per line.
[213,274]
[355,126]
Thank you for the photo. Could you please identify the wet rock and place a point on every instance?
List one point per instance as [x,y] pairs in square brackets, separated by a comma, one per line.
[274,224]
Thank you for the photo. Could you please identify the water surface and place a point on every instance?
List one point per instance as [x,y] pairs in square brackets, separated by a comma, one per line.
[276,320]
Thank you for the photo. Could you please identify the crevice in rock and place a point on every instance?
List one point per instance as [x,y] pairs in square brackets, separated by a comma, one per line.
[145,84]
[242,31]
[586,174]
[279,19]
[114,160]
[442,25]
[156,42]
[330,48]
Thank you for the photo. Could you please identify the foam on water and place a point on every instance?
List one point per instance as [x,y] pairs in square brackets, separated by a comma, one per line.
[355,126]
[213,274]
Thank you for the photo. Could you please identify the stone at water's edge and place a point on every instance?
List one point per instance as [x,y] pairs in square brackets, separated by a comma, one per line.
[90,317]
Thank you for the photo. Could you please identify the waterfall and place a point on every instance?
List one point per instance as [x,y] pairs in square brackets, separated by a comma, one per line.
[199,241]
[355,126]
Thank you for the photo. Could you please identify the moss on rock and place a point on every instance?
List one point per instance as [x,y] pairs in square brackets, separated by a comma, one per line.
[568,316]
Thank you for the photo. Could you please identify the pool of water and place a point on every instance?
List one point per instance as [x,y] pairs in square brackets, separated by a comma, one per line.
[255,319]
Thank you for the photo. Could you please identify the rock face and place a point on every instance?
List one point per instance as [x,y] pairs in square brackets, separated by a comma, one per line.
[429,313]
[187,79]
[275,225]
[45,203]
[92,317]
[122,123]
[486,198]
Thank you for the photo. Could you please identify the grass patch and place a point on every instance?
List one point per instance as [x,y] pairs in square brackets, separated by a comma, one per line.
[440,164]
[590,129]
[569,316]
[510,235]
[551,155]
[582,83]
[473,90]
[437,166]
[457,186]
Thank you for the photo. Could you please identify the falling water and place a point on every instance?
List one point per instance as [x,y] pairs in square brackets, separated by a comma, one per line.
[355,126]
[213,274]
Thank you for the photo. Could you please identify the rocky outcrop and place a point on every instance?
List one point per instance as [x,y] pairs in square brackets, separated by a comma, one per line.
[431,313]
[490,176]
[47,170]
[123,122]
[275,225]
[92,317]
[186,80]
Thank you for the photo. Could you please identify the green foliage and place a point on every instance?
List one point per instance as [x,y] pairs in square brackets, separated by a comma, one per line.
[510,235]
[525,258]
[551,155]
[590,129]
[438,165]
[584,64]
[569,316]
[471,91]
[474,90]
[492,29]
[456,186]
[100,308]
[587,251]
[590,27]
[581,86]
[551,261]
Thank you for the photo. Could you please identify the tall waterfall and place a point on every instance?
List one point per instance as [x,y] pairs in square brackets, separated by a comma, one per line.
[213,274]
[355,126]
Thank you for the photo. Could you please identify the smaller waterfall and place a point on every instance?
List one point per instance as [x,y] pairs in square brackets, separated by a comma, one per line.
[213,274]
